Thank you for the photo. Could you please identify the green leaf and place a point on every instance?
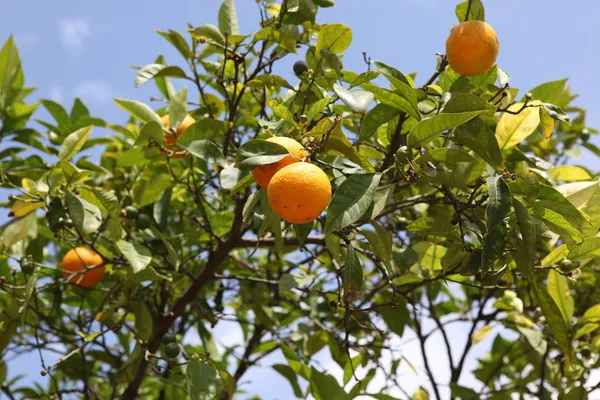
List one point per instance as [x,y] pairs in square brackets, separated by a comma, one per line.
[590,247]
[150,130]
[19,229]
[202,129]
[592,314]
[445,155]
[476,13]
[334,37]
[445,177]
[558,224]
[29,291]
[208,342]
[302,231]
[10,64]
[554,319]
[576,393]
[326,387]
[178,108]
[479,137]
[178,42]
[381,241]
[206,150]
[535,339]
[257,152]
[394,99]
[430,255]
[291,281]
[391,72]
[329,131]
[585,330]
[74,142]
[333,61]
[499,202]
[527,229]
[513,129]
[242,184]
[431,128]
[228,20]
[569,173]
[59,113]
[128,370]
[357,80]
[138,110]
[138,256]
[202,380]
[4,369]
[556,255]
[288,373]
[420,394]
[152,71]
[379,115]
[351,200]
[210,32]
[353,273]
[549,92]
[316,110]
[76,211]
[558,288]
[357,100]
[269,80]
[557,113]
[462,392]
[493,247]
[284,40]
[144,322]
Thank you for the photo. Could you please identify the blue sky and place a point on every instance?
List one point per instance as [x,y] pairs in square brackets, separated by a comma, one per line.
[82,48]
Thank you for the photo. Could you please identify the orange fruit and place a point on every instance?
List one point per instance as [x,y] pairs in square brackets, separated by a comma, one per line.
[472,48]
[264,173]
[78,259]
[299,192]
[171,138]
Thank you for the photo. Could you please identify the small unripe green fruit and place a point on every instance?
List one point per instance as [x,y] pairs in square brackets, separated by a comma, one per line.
[300,67]
[169,338]
[143,221]
[131,212]
[567,265]
[172,350]
[27,267]
[404,155]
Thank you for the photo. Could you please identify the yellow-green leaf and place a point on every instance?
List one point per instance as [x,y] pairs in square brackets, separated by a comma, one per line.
[481,334]
[558,287]
[513,129]
[569,173]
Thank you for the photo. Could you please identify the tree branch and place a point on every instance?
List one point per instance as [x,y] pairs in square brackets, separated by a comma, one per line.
[166,321]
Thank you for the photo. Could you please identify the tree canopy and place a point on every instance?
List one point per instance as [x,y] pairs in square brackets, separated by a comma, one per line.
[456,202]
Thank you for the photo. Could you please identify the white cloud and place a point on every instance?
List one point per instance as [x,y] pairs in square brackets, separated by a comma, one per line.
[98,92]
[56,93]
[73,32]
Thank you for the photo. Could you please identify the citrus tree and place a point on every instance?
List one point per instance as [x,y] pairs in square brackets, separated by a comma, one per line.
[327,212]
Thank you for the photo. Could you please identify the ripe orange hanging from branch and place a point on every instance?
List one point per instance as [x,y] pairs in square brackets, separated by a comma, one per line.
[264,173]
[472,48]
[79,259]
[299,192]
[171,138]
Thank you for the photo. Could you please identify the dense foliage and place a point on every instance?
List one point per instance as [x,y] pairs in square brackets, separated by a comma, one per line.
[454,202]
